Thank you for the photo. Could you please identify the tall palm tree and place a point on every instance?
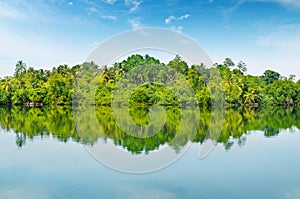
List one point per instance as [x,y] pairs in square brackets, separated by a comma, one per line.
[20,68]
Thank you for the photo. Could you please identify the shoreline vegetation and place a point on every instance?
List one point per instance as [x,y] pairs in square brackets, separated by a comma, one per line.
[35,88]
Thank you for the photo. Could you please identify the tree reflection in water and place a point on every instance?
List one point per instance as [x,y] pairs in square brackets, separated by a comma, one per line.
[58,122]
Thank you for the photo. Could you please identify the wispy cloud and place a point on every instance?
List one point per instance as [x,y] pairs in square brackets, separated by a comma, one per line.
[173,21]
[293,4]
[177,28]
[9,12]
[111,17]
[92,10]
[169,19]
[173,18]
[184,16]
[32,11]
[134,4]
[110,1]
[15,10]
[227,12]
[289,3]
[285,38]
[99,13]
[135,23]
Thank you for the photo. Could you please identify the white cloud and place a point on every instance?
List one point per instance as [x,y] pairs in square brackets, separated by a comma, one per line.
[169,19]
[98,12]
[111,17]
[135,23]
[110,1]
[177,28]
[71,3]
[92,10]
[135,4]
[173,18]
[184,17]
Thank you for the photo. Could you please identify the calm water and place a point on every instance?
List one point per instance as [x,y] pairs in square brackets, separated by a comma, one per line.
[42,156]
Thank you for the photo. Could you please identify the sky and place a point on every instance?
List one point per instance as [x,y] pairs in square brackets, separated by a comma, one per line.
[265,34]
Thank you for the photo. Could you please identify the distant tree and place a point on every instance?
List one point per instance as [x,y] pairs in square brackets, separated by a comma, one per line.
[270,76]
[179,65]
[292,77]
[20,69]
[242,67]
[228,63]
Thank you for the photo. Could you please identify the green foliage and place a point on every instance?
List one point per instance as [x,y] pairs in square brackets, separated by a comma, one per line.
[270,76]
[242,67]
[147,81]
[179,65]
[282,92]
[30,86]
[4,97]
[150,94]
[20,68]
[228,63]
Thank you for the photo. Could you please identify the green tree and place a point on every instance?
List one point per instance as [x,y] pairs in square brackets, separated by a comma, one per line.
[20,69]
[228,63]
[270,76]
[179,65]
[242,67]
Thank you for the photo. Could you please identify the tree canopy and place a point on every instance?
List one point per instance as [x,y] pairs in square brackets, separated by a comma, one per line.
[161,84]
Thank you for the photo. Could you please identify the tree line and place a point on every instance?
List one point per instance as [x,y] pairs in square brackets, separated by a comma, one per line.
[56,87]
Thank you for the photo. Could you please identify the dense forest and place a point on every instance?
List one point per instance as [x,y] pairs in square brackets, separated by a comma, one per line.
[29,86]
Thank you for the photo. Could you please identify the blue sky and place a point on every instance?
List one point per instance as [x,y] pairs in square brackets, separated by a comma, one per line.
[265,34]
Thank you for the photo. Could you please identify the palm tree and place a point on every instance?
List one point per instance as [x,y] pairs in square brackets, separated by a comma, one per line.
[6,84]
[252,96]
[20,68]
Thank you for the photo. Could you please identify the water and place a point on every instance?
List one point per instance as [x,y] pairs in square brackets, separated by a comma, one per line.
[42,156]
